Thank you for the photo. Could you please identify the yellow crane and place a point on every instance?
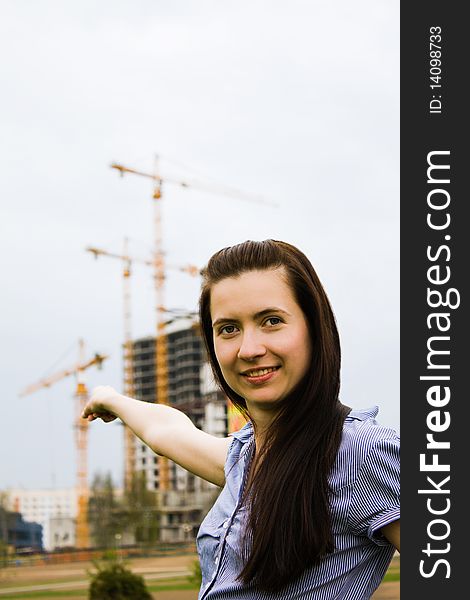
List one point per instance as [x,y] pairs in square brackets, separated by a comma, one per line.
[127,260]
[82,537]
[161,369]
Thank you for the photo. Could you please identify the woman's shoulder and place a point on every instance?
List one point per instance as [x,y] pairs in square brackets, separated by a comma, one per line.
[362,428]
[364,440]
[244,434]
[241,442]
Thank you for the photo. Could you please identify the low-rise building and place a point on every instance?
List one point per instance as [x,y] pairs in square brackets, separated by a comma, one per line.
[43,506]
[19,534]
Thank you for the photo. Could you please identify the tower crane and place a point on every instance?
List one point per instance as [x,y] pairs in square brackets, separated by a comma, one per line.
[81,433]
[127,260]
[161,369]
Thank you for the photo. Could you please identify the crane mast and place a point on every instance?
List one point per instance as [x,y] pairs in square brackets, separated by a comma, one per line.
[129,384]
[129,437]
[161,368]
[81,443]
[82,533]
[161,350]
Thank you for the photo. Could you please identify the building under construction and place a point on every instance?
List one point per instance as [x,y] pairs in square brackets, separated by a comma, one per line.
[186,498]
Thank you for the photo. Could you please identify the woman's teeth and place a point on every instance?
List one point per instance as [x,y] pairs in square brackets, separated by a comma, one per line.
[259,372]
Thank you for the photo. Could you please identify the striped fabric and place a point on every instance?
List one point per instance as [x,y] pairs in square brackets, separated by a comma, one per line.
[365,484]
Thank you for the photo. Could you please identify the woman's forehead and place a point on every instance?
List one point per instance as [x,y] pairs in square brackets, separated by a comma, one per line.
[252,291]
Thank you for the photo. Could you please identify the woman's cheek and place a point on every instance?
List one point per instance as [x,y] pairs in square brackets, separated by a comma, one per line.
[224,353]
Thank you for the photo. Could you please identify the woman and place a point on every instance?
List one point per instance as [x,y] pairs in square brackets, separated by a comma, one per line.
[310,500]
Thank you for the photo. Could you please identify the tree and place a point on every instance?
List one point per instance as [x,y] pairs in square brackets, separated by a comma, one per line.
[3,529]
[196,575]
[141,510]
[105,514]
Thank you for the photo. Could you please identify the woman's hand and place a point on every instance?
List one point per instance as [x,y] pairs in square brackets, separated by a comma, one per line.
[100,404]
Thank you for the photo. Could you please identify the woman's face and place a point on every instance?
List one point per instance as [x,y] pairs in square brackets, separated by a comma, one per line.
[261,336]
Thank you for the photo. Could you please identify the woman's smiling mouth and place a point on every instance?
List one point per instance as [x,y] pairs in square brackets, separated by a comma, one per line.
[260,375]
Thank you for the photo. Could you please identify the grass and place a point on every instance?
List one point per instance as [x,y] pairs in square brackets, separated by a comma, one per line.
[24,582]
[172,584]
[164,585]
[171,587]
[46,594]
[393,571]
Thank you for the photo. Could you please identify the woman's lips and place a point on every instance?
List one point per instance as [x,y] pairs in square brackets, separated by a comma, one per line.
[258,378]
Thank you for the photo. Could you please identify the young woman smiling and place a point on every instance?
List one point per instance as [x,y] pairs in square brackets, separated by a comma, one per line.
[310,500]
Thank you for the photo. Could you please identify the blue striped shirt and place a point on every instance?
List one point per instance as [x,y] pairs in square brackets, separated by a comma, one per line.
[365,497]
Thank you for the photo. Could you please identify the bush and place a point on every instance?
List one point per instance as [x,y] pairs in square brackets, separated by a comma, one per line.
[114,582]
[196,576]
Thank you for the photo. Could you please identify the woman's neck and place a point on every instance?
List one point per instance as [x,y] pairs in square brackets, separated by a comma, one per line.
[262,418]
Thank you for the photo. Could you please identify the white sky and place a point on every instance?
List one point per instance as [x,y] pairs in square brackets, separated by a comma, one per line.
[296,101]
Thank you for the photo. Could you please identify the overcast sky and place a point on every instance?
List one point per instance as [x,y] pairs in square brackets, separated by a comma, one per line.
[295,102]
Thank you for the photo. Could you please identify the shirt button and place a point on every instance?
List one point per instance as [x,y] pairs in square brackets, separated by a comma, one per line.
[225,523]
[216,560]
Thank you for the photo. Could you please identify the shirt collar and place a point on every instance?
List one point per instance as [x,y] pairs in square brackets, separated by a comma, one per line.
[244,434]
[361,414]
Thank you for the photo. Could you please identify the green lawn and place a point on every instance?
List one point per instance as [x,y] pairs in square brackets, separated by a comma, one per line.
[162,586]
[173,584]
[393,572]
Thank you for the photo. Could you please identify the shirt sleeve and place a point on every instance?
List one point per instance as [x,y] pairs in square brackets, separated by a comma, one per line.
[376,495]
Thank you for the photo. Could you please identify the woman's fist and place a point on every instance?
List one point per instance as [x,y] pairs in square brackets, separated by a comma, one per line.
[100,404]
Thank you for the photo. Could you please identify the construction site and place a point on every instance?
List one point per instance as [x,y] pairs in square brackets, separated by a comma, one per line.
[40,528]
[168,367]
[54,535]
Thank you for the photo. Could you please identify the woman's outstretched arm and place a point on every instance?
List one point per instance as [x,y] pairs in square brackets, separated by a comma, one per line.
[167,431]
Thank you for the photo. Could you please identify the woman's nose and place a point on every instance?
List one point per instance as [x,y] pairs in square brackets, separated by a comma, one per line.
[251,347]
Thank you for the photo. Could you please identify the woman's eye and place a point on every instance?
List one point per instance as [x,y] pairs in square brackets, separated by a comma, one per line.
[228,329]
[273,321]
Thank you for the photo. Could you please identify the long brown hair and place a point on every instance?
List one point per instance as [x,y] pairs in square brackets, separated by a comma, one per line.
[289,525]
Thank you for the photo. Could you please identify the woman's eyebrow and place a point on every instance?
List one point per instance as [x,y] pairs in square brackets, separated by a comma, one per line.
[257,315]
[269,310]
[224,320]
